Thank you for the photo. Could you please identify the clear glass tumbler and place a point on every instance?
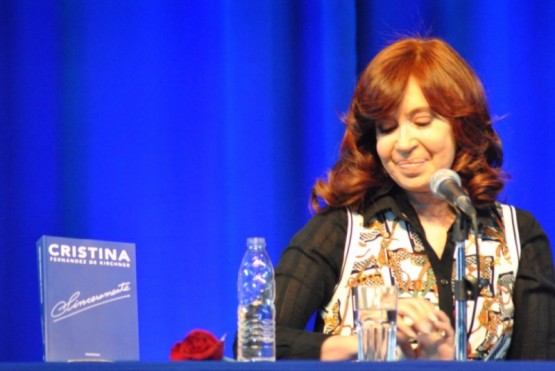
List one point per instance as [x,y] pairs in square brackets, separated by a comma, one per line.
[375,315]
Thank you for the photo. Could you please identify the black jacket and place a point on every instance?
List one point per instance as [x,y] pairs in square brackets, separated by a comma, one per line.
[310,267]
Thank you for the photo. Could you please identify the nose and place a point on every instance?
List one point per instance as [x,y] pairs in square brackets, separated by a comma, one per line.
[406,139]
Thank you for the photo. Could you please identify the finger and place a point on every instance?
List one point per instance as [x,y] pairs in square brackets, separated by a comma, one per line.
[414,317]
[426,324]
[412,311]
[444,329]
[408,350]
[442,323]
[441,316]
[438,343]
[405,328]
[442,333]
[415,307]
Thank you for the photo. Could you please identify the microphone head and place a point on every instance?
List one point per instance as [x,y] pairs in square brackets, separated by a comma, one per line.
[441,176]
[446,184]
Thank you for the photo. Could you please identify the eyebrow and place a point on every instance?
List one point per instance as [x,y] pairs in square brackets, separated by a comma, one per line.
[412,113]
[418,110]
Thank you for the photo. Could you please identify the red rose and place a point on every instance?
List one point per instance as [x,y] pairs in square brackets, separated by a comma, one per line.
[198,345]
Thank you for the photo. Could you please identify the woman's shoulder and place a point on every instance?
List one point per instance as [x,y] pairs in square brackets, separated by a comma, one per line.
[334,216]
[327,228]
[529,228]
[322,239]
[526,220]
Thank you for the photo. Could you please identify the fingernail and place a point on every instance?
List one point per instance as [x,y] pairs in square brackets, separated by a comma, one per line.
[408,321]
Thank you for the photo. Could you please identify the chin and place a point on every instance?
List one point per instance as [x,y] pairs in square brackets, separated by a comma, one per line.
[417,190]
[414,185]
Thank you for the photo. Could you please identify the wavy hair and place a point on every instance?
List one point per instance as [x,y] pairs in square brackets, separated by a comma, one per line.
[451,88]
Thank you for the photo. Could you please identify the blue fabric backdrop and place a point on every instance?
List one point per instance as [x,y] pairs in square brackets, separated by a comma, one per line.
[187,126]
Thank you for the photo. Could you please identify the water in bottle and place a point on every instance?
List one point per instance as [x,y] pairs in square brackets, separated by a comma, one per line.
[256,312]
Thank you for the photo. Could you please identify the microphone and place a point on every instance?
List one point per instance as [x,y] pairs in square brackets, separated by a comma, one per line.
[446,184]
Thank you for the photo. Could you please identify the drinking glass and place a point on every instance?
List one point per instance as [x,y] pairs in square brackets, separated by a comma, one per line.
[375,315]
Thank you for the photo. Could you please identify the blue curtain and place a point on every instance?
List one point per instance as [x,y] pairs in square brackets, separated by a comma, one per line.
[187,126]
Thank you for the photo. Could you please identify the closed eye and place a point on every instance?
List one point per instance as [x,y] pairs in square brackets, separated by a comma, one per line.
[386,126]
[423,122]
[422,117]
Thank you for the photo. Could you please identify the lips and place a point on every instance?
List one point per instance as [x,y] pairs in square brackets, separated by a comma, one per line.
[410,163]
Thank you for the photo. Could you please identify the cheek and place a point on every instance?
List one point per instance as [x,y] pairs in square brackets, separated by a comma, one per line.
[450,148]
[442,142]
[383,147]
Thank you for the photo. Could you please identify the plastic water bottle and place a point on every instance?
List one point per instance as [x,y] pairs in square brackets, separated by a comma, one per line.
[256,312]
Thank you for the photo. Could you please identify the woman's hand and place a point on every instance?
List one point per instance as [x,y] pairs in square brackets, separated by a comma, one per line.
[339,348]
[424,331]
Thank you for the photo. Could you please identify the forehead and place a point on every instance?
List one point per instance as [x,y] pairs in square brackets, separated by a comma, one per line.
[413,95]
[413,100]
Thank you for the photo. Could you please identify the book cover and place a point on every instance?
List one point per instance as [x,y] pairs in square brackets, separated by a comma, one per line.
[88,292]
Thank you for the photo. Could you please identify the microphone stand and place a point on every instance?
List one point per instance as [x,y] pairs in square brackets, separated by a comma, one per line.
[460,234]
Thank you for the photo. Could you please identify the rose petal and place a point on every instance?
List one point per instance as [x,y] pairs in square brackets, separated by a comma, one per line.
[198,345]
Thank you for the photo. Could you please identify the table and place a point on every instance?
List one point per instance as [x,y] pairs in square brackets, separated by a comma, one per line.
[284,366]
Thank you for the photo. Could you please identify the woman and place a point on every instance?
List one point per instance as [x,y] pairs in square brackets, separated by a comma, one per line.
[417,108]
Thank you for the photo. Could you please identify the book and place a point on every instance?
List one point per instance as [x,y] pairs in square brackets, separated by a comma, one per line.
[88,292]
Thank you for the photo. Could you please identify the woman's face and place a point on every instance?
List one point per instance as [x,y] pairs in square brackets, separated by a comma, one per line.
[414,143]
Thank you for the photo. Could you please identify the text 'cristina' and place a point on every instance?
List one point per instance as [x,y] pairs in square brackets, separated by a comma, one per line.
[88,252]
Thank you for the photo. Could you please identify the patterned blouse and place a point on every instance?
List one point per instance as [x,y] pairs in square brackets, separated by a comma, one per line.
[382,243]
[388,251]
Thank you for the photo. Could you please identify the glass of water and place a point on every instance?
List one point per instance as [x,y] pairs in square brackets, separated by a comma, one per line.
[375,315]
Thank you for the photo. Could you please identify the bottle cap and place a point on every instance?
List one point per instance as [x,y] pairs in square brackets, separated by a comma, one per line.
[256,241]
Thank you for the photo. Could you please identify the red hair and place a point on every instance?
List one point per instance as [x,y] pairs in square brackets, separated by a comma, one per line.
[453,91]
